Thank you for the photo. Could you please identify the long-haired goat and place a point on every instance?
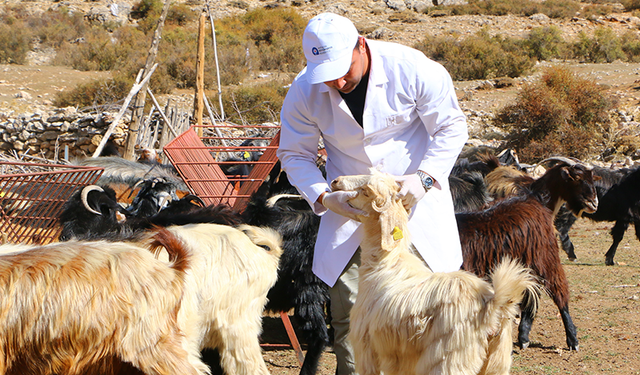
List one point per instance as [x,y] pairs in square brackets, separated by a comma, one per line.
[226,291]
[619,201]
[409,320]
[522,228]
[80,307]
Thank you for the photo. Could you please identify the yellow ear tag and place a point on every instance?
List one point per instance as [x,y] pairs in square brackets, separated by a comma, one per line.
[1,194]
[246,155]
[397,234]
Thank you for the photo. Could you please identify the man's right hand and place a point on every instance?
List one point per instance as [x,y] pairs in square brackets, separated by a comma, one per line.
[337,202]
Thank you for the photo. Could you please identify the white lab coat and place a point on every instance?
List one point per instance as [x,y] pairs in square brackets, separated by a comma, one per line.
[411,121]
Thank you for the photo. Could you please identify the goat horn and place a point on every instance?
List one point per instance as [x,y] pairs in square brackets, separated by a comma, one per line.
[272,201]
[569,160]
[85,194]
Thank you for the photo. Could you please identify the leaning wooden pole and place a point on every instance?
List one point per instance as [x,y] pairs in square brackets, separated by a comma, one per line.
[138,106]
[198,106]
[134,90]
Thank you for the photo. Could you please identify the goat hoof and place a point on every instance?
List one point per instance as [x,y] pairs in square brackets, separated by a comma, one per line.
[573,259]
[523,345]
[574,348]
[609,262]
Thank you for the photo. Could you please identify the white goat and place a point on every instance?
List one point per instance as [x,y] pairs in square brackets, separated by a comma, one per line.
[89,307]
[226,291]
[409,320]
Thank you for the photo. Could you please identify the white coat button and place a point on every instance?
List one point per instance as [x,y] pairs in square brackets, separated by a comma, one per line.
[367,141]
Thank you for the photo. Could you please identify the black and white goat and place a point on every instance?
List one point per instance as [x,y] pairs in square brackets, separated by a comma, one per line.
[521,228]
[619,201]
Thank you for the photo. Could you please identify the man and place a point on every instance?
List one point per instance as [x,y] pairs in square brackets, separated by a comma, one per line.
[375,104]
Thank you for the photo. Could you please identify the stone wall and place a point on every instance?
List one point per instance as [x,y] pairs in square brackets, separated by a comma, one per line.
[44,134]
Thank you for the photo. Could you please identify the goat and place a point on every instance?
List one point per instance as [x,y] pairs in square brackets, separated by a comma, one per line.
[80,307]
[410,320]
[124,175]
[297,286]
[619,201]
[567,182]
[226,291]
[93,213]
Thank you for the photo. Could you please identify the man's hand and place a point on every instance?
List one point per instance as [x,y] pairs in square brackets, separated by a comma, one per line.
[337,202]
[411,190]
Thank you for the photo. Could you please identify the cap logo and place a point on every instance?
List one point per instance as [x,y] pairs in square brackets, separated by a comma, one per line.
[319,51]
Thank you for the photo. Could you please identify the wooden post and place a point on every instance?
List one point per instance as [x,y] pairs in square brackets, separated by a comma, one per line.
[199,102]
[138,107]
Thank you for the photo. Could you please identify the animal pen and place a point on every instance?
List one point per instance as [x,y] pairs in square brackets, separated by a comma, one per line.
[32,196]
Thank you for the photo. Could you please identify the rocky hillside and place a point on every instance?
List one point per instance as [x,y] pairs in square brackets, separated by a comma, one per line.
[27,89]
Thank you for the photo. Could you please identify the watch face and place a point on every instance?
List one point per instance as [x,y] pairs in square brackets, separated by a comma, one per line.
[428,182]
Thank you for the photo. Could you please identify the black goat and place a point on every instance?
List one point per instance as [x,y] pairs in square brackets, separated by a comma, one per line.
[90,212]
[297,286]
[94,214]
[619,201]
[521,228]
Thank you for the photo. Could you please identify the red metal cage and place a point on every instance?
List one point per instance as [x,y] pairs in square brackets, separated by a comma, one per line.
[31,201]
[202,160]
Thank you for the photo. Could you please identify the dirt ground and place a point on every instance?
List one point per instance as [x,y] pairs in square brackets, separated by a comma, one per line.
[604,305]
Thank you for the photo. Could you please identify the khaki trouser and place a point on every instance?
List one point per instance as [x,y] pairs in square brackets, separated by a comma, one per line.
[343,296]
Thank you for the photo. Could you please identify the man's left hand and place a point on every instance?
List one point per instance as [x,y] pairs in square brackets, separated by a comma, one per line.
[411,190]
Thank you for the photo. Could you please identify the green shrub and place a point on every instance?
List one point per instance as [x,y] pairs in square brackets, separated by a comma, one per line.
[630,4]
[257,103]
[94,93]
[181,15]
[261,39]
[545,43]
[477,57]
[552,8]
[15,42]
[630,42]
[561,114]
[605,46]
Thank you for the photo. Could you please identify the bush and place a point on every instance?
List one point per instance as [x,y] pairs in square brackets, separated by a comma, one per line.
[255,104]
[94,93]
[477,57]
[552,8]
[15,42]
[261,39]
[605,46]
[545,43]
[561,114]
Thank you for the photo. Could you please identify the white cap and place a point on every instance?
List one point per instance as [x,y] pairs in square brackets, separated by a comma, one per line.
[328,43]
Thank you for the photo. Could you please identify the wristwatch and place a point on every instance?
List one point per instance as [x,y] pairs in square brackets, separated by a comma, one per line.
[427,181]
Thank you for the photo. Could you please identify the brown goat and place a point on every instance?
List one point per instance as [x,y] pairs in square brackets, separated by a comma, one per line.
[521,229]
[87,307]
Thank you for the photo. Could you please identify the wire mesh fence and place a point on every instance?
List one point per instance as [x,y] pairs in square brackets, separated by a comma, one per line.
[32,196]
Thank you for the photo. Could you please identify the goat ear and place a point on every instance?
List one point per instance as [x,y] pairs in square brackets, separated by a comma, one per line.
[386,230]
[390,232]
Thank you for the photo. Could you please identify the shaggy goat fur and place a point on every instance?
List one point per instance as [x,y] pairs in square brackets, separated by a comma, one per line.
[226,291]
[87,307]
[409,320]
